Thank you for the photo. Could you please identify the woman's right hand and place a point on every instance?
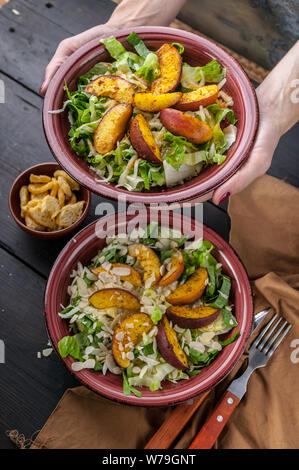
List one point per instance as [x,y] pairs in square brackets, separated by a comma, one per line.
[128,14]
[66,48]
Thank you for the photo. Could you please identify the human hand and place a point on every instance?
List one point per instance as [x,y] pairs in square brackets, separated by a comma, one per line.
[67,47]
[259,160]
[128,14]
[279,111]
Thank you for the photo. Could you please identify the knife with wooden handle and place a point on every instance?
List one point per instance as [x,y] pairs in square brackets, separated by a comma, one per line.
[176,421]
[210,431]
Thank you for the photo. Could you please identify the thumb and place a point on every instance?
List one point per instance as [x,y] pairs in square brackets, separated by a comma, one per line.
[61,54]
[242,178]
[51,69]
[256,165]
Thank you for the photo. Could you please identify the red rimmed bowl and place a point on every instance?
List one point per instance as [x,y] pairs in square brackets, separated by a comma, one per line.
[85,246]
[14,202]
[198,51]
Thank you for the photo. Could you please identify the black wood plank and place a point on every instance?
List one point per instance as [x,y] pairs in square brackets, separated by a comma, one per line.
[285,163]
[30,38]
[73,15]
[30,387]
[262,31]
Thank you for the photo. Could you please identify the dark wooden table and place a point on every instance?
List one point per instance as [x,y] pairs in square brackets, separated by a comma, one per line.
[29,33]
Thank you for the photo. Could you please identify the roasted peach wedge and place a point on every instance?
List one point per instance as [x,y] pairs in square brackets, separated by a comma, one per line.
[169,345]
[114,297]
[127,334]
[149,261]
[203,96]
[176,268]
[124,271]
[179,123]
[112,127]
[143,140]
[155,103]
[191,290]
[170,61]
[196,317]
[112,86]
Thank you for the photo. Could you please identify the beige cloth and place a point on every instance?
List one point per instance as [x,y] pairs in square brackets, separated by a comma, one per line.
[264,231]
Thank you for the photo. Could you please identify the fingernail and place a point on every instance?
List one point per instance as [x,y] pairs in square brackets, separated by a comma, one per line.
[41,88]
[223,198]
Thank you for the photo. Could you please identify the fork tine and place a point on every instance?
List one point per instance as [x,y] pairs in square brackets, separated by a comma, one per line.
[258,317]
[264,331]
[272,340]
[271,351]
[262,344]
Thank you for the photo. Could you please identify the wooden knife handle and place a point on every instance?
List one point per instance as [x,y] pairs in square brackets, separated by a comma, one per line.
[212,428]
[174,424]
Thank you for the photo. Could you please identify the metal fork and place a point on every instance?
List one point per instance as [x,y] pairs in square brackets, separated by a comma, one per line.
[259,354]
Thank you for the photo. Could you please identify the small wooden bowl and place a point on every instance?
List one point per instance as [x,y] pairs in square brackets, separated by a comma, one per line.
[15,208]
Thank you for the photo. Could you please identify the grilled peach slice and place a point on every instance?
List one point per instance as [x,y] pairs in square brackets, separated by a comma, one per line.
[170,61]
[143,140]
[191,290]
[149,261]
[114,87]
[179,123]
[154,103]
[203,96]
[127,334]
[176,269]
[192,317]
[112,127]
[124,271]
[169,345]
[114,297]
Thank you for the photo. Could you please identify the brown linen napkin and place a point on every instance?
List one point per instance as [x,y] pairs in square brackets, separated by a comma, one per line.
[264,232]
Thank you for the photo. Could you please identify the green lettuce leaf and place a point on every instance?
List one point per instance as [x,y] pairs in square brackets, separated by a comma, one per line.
[69,346]
[218,134]
[223,294]
[231,339]
[127,62]
[228,318]
[156,315]
[202,359]
[179,47]
[113,46]
[212,73]
[149,67]
[150,70]
[175,150]
[138,44]
[128,389]
[155,385]
[148,349]
[99,69]
[88,281]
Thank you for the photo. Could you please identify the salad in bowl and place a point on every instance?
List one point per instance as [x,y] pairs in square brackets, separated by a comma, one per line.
[150,307]
[148,119]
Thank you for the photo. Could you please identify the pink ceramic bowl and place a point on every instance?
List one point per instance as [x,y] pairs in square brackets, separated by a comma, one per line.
[198,51]
[85,246]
